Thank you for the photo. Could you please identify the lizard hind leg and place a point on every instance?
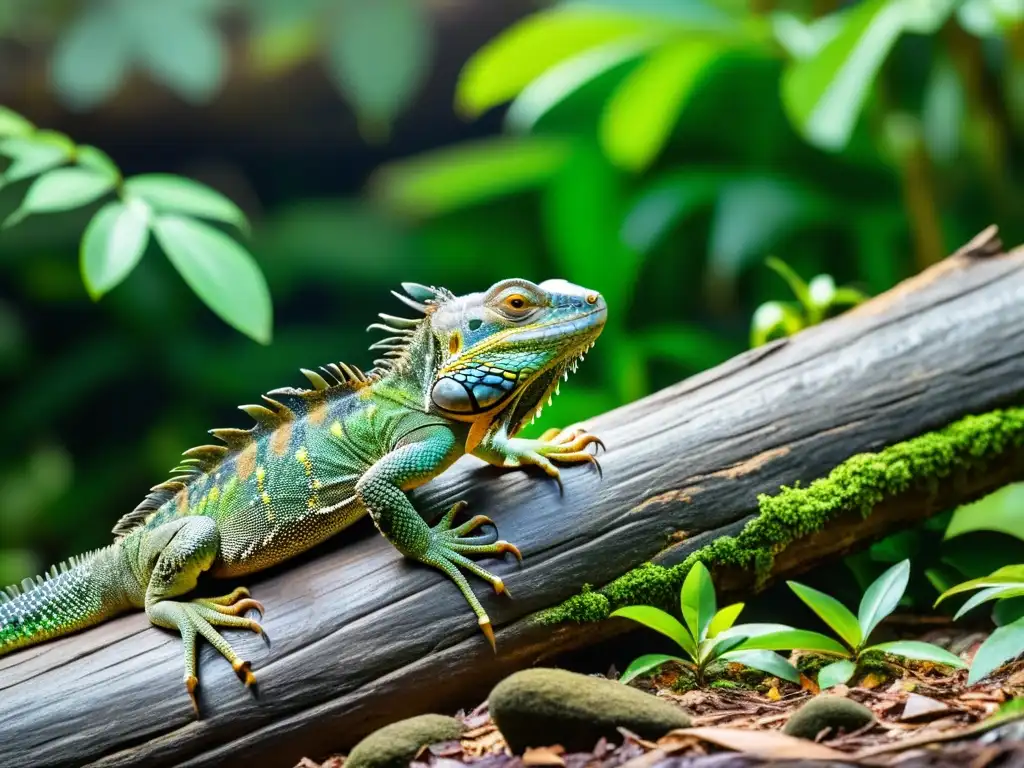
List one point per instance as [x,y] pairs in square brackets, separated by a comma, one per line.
[181,551]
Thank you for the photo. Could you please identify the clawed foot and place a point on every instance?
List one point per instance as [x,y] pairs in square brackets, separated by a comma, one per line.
[447,551]
[199,617]
[556,446]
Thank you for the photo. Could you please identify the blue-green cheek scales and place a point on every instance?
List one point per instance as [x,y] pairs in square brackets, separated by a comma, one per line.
[463,378]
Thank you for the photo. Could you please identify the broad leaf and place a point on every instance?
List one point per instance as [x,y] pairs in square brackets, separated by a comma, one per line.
[1007,576]
[1004,644]
[61,190]
[824,93]
[642,112]
[13,124]
[112,245]
[836,673]
[1004,592]
[659,621]
[882,597]
[646,663]
[91,58]
[724,619]
[31,156]
[766,661]
[449,179]
[378,55]
[754,630]
[528,49]
[221,273]
[697,600]
[1001,511]
[796,284]
[665,202]
[97,160]
[711,649]
[565,78]
[832,612]
[920,651]
[180,46]
[177,194]
[794,640]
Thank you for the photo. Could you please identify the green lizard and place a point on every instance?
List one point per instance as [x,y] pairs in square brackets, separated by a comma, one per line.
[464,378]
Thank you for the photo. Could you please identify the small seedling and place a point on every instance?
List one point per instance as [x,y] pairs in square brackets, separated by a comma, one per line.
[708,634]
[1007,641]
[880,599]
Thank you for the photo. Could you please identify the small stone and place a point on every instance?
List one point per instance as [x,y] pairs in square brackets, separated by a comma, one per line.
[396,745]
[543,707]
[828,712]
[920,707]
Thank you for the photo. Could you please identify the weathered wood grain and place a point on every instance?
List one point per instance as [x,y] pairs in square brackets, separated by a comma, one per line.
[361,637]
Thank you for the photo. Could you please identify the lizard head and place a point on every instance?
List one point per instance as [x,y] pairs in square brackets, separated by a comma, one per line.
[503,351]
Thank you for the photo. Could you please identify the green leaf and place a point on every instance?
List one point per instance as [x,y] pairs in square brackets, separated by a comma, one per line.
[1004,592]
[31,156]
[713,649]
[13,124]
[659,621]
[473,172]
[91,58]
[529,48]
[112,245]
[697,600]
[796,283]
[766,661]
[179,46]
[97,160]
[378,55]
[646,663]
[1001,511]
[691,346]
[1004,644]
[774,319]
[61,190]
[565,78]
[662,204]
[754,630]
[882,597]
[1007,576]
[177,194]
[915,649]
[836,673]
[724,619]
[639,118]
[832,612]
[794,640]
[823,94]
[220,272]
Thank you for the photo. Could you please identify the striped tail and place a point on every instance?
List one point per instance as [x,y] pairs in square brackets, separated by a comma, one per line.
[76,594]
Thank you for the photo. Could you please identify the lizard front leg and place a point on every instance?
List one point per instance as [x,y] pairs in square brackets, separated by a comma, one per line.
[382,491]
[555,446]
[179,551]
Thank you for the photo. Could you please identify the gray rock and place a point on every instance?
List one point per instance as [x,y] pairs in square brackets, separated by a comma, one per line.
[834,712]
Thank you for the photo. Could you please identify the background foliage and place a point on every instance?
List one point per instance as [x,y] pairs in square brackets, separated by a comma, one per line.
[655,150]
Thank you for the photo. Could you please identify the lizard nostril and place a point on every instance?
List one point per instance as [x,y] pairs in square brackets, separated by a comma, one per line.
[591,298]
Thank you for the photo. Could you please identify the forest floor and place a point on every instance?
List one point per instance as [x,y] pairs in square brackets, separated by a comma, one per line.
[924,717]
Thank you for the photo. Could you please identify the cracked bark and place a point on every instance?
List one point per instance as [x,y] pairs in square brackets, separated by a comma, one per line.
[361,638]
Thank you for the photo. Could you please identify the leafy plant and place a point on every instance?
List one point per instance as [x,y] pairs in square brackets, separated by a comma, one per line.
[171,208]
[709,634]
[816,300]
[880,599]
[1006,642]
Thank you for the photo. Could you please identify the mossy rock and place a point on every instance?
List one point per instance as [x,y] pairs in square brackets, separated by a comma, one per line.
[396,745]
[821,712]
[542,707]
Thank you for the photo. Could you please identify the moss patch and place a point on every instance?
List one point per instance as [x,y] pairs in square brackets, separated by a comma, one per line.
[859,484]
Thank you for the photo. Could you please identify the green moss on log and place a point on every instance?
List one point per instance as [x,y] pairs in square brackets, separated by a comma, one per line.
[859,484]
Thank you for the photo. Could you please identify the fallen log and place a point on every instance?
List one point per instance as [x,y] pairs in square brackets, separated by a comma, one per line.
[360,637]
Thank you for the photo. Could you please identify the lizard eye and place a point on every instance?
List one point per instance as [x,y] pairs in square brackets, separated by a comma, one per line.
[516,305]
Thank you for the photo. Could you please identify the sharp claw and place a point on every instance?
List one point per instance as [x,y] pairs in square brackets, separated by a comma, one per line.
[191,683]
[242,668]
[485,627]
[599,442]
[499,586]
[506,546]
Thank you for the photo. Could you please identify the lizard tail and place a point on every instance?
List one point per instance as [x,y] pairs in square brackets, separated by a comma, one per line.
[76,594]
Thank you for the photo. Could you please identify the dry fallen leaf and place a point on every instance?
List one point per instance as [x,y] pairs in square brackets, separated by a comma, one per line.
[765,744]
[544,756]
[773,694]
[920,707]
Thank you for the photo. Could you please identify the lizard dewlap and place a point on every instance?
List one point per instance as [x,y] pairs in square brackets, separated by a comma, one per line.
[464,376]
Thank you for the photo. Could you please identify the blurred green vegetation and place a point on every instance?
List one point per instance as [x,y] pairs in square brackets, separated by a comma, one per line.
[656,150]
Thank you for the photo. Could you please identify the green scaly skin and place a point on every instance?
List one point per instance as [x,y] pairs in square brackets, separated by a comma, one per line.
[464,378]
